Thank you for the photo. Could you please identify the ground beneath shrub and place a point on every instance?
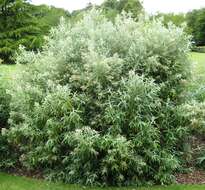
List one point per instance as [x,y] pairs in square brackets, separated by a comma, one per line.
[25,173]
[195,177]
[9,182]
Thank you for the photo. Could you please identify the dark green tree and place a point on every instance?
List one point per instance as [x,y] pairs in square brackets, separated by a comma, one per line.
[196,24]
[48,16]
[17,27]
[133,6]
[111,8]
[177,19]
[114,7]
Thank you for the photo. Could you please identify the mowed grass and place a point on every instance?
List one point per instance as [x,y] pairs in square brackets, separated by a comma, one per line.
[8,182]
[197,85]
[8,73]
[198,65]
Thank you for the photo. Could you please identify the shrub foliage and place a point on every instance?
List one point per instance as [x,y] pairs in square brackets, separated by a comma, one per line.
[6,159]
[4,106]
[99,104]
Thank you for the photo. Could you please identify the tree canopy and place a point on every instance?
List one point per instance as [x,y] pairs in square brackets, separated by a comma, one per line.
[195,21]
[17,27]
[24,24]
[196,24]
[114,7]
[177,19]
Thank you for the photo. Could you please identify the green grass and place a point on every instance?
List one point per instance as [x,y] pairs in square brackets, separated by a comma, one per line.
[198,68]
[8,182]
[8,73]
[197,86]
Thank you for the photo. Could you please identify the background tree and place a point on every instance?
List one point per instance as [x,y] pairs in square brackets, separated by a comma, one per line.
[114,7]
[196,24]
[48,16]
[17,27]
[177,19]
[25,24]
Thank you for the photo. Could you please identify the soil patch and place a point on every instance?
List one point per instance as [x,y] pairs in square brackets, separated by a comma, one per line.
[195,177]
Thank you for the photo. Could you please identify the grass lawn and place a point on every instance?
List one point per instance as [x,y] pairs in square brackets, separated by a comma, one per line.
[198,64]
[198,73]
[8,72]
[8,182]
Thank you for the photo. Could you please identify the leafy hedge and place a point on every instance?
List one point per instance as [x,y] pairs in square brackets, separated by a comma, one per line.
[6,154]
[99,104]
[4,106]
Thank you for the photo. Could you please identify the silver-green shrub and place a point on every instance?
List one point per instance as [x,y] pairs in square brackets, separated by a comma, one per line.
[98,104]
[7,155]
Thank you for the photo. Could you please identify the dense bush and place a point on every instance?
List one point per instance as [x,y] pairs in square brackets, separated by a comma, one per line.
[201,159]
[195,113]
[100,104]
[4,106]
[5,154]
